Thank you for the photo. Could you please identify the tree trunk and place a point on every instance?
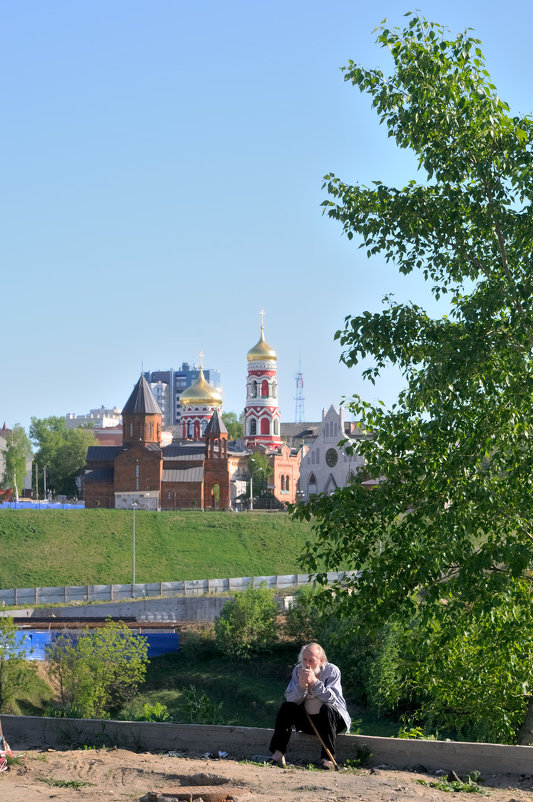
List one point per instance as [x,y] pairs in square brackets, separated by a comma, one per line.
[525,736]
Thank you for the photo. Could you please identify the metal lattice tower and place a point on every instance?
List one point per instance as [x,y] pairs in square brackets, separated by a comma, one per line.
[299,397]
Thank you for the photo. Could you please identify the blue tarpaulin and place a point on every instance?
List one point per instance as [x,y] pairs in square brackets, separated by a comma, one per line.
[41,505]
[35,642]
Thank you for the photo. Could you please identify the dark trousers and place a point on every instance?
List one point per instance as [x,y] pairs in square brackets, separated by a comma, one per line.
[328,723]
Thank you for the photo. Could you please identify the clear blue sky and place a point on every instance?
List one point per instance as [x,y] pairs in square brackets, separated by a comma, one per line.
[161,167]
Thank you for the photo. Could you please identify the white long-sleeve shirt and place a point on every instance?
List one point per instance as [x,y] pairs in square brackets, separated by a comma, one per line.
[327,689]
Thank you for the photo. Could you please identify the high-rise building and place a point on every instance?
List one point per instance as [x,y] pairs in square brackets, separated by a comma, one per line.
[168,385]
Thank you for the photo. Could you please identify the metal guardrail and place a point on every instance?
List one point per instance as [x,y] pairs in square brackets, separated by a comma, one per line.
[191,587]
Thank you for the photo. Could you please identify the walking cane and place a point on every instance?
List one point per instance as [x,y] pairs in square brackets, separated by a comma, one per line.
[312,723]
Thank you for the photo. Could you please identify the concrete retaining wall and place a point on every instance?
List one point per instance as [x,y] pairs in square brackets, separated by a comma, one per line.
[26,732]
[202,608]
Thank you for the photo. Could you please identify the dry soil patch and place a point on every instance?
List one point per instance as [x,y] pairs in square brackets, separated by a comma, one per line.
[122,776]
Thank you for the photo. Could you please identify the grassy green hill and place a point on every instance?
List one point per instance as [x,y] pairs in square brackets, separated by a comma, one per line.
[78,547]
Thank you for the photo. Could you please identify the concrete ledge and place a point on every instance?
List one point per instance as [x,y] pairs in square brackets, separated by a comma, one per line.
[26,732]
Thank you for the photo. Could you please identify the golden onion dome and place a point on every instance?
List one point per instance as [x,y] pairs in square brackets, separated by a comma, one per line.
[201,392]
[261,350]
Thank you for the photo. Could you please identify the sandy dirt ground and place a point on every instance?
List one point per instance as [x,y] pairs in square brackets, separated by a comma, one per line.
[119,775]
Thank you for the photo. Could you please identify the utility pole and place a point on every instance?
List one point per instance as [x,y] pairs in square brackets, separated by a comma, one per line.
[134,505]
[44,481]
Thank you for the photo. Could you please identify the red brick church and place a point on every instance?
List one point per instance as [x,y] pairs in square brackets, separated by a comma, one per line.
[190,474]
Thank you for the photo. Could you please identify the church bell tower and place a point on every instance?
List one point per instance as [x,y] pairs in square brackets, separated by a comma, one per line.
[261,413]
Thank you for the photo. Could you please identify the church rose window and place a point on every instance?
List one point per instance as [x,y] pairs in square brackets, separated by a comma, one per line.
[331,457]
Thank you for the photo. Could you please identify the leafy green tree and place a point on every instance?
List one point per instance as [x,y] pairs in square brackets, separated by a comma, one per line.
[63,451]
[260,471]
[451,520]
[100,672]
[14,666]
[247,624]
[233,424]
[16,455]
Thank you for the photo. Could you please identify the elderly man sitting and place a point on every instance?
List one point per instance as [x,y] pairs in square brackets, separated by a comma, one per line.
[314,694]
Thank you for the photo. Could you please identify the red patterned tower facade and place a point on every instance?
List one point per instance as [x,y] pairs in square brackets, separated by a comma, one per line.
[261,413]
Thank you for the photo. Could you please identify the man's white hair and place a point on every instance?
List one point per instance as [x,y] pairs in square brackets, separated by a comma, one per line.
[318,647]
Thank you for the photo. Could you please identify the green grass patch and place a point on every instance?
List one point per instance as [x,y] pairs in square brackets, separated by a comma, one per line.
[77,784]
[79,547]
[454,786]
[36,695]
[248,693]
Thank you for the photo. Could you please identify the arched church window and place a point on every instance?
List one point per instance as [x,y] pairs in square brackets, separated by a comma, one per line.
[311,485]
[274,390]
[131,429]
[190,432]
[253,426]
[276,426]
[265,426]
[204,427]
[196,429]
[282,483]
[287,484]
[264,388]
[254,389]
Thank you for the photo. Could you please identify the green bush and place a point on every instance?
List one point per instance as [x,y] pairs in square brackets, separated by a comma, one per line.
[307,620]
[247,624]
[199,708]
[384,678]
[154,712]
[99,673]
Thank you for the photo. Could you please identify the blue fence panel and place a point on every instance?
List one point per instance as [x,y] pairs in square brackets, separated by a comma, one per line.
[162,643]
[35,643]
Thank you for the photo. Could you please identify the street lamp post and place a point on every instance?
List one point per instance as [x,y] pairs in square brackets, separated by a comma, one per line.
[133,506]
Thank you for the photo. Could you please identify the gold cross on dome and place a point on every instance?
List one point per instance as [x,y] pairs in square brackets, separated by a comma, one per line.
[262,313]
[201,355]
